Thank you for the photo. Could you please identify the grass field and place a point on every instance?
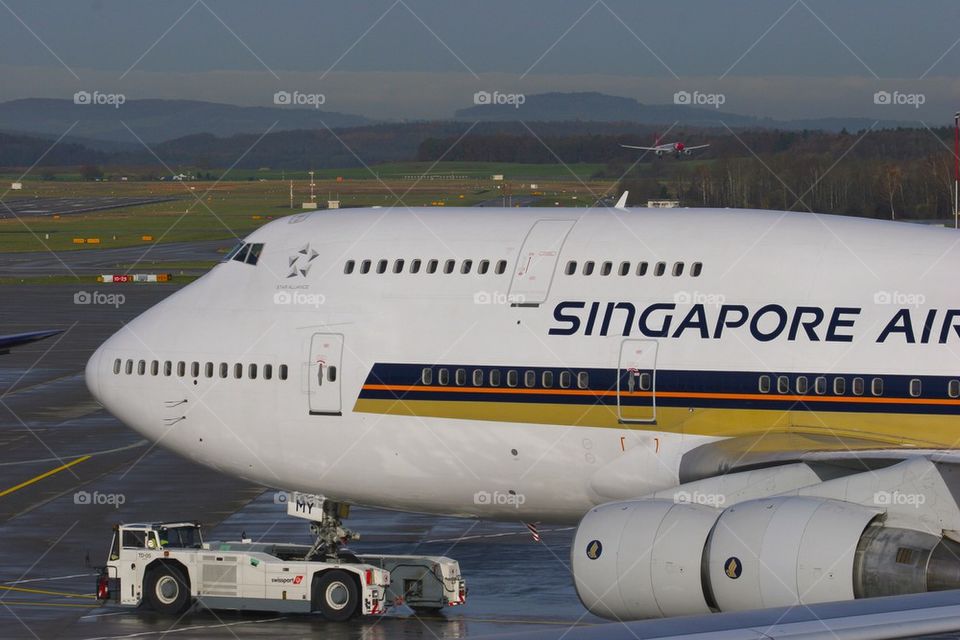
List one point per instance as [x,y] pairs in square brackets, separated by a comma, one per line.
[233,208]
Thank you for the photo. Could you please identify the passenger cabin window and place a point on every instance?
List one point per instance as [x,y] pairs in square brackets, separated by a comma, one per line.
[530,378]
[381,266]
[876,386]
[571,268]
[116,366]
[678,269]
[801,385]
[660,269]
[483,267]
[237,370]
[181,368]
[267,371]
[349,266]
[583,380]
[606,268]
[443,376]
[953,388]
[283,372]
[588,268]
[820,385]
[415,265]
[512,378]
[783,384]
[461,377]
[141,367]
[224,370]
[365,266]
[501,267]
[546,379]
[426,376]
[478,377]
[208,369]
[449,266]
[565,379]
[432,266]
[465,266]
[494,377]
[641,268]
[915,387]
[154,367]
[764,384]
[696,268]
[624,269]
[857,387]
[839,386]
[398,266]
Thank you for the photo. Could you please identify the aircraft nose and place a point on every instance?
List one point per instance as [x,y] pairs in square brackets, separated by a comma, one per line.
[92,373]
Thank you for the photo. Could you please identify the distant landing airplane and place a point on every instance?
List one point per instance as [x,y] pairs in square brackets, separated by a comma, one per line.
[676,148]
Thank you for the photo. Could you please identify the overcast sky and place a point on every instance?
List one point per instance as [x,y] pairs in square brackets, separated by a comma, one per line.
[414,59]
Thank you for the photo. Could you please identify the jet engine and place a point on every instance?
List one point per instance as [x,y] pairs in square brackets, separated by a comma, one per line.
[657,558]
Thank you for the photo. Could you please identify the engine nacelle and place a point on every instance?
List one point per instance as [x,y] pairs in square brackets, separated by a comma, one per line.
[659,558]
[642,559]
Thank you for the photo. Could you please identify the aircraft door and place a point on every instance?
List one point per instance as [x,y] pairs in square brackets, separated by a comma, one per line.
[637,381]
[323,374]
[537,261]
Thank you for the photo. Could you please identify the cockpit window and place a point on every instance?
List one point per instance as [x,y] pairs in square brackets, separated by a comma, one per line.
[233,252]
[254,254]
[246,252]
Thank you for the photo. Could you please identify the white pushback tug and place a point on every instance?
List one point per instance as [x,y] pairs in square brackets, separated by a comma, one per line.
[169,566]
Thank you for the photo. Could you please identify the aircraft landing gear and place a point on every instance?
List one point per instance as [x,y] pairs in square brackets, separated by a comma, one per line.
[330,533]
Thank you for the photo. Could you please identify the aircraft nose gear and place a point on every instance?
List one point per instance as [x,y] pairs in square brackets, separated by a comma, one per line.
[329,530]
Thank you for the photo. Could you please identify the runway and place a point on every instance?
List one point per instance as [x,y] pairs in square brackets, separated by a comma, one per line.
[68,471]
[16,207]
[93,261]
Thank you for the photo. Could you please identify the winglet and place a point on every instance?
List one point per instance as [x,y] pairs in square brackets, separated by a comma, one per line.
[622,202]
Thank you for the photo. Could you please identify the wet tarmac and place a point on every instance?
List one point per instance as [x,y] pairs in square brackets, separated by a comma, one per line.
[69,471]
[96,261]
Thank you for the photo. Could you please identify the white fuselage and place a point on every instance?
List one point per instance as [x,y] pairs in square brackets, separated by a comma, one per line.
[357,419]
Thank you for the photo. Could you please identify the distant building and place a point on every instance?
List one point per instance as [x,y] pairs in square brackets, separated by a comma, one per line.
[663,204]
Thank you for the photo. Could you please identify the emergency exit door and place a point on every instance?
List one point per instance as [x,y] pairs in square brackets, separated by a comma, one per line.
[323,374]
[537,261]
[637,381]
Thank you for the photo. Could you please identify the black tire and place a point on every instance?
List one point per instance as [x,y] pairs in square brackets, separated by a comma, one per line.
[166,590]
[336,595]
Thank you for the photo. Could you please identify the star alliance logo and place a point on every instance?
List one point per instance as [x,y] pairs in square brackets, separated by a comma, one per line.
[301,261]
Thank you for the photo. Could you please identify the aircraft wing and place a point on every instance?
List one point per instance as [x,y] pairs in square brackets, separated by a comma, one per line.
[18,339]
[699,146]
[630,146]
[888,617]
